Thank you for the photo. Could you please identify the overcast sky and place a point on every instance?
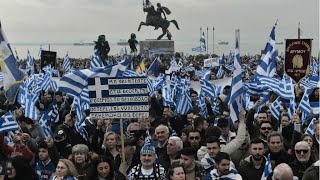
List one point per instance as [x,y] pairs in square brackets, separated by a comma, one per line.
[52,21]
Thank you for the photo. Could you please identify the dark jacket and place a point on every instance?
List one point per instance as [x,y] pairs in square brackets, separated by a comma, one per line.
[248,171]
[299,168]
[312,173]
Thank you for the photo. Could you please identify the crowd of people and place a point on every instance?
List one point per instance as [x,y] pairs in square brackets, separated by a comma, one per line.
[164,145]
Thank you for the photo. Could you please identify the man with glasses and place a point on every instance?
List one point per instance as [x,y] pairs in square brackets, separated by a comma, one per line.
[303,161]
[265,130]
[194,139]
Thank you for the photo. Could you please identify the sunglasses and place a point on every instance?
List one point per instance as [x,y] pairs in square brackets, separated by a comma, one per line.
[192,138]
[264,128]
[305,151]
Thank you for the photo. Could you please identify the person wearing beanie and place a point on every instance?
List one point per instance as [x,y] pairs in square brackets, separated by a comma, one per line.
[148,169]
[83,161]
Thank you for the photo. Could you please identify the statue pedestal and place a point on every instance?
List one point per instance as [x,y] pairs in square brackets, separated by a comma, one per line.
[157,47]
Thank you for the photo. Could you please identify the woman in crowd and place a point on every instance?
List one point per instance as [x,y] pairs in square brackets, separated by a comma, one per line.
[65,171]
[109,145]
[104,169]
[309,140]
[18,168]
[176,172]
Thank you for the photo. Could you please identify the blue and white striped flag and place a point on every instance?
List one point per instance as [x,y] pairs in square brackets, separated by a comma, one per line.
[275,108]
[267,169]
[79,118]
[310,82]
[220,72]
[12,76]
[8,123]
[283,88]
[66,63]
[236,84]
[203,107]
[74,83]
[184,103]
[84,98]
[45,125]
[310,128]
[30,110]
[304,106]
[96,60]
[55,113]
[208,89]
[1,76]
[30,63]
[202,47]
[150,87]
[267,66]
[53,85]
[166,96]
[314,67]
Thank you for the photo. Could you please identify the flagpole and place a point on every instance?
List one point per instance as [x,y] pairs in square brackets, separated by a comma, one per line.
[207,40]
[122,148]
[213,40]
[200,40]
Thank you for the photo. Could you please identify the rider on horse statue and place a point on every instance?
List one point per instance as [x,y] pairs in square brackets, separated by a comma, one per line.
[154,18]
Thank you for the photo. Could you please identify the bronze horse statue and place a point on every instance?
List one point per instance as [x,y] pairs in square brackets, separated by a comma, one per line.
[153,19]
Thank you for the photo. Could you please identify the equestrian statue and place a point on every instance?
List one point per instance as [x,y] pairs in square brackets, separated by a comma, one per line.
[154,18]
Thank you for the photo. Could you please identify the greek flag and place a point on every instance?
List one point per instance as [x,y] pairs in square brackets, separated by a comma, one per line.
[79,118]
[74,83]
[54,112]
[184,103]
[129,73]
[222,59]
[236,84]
[230,67]
[45,84]
[66,63]
[283,88]
[267,168]
[276,108]
[230,58]
[85,100]
[310,128]
[314,67]
[53,85]
[304,106]
[12,76]
[203,107]
[166,96]
[1,76]
[30,63]
[310,82]
[8,123]
[150,87]
[232,175]
[208,89]
[220,72]
[30,110]
[44,123]
[267,66]
[202,47]
[154,67]
[96,60]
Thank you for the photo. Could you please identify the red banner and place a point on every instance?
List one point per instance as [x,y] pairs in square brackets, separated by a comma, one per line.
[297,58]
